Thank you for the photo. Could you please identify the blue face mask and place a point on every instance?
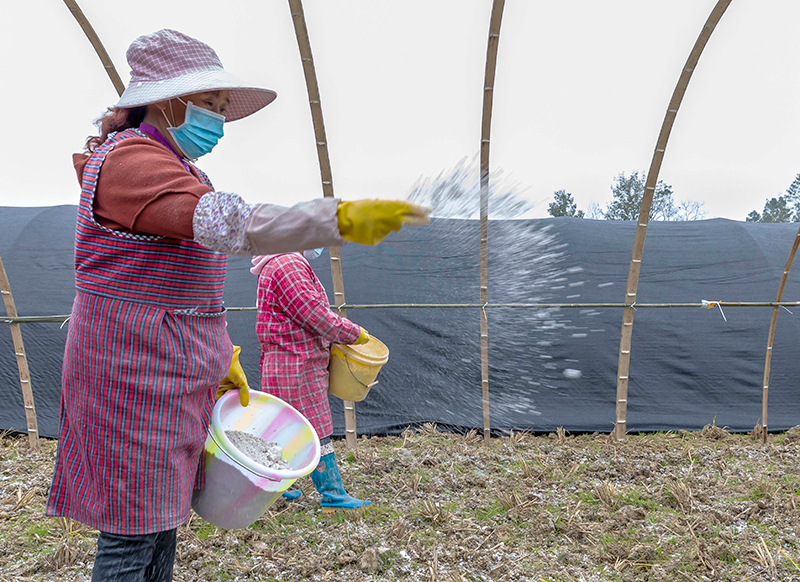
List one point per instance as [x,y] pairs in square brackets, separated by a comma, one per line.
[312,254]
[199,132]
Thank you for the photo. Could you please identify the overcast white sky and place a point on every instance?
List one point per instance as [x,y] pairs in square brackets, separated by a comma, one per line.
[581,91]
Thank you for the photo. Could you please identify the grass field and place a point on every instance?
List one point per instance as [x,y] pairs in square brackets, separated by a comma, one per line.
[672,507]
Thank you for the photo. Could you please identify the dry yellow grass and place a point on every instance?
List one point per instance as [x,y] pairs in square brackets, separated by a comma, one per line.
[554,508]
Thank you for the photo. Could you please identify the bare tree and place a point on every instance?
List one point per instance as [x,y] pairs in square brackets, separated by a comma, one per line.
[690,210]
[594,211]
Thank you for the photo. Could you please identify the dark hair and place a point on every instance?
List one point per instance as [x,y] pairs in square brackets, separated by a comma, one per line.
[114,119]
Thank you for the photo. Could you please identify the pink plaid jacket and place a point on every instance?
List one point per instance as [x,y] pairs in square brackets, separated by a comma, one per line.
[296,327]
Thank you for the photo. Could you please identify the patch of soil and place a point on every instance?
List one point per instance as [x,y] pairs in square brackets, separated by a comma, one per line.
[677,506]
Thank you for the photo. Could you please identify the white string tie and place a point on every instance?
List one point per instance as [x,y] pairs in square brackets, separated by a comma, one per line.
[64,322]
[712,304]
[787,309]
[484,311]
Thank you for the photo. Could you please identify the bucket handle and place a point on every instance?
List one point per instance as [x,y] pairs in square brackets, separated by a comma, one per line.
[367,386]
[245,467]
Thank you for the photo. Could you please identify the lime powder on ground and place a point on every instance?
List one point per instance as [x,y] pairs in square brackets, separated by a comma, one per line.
[261,451]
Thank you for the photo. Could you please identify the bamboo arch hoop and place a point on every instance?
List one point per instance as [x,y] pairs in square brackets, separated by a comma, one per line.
[22,361]
[304,44]
[486,130]
[771,335]
[623,367]
[98,46]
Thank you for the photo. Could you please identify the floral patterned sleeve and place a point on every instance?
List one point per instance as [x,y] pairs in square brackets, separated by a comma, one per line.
[224,222]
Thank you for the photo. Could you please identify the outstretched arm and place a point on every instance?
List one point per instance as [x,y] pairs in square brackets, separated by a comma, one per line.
[224,222]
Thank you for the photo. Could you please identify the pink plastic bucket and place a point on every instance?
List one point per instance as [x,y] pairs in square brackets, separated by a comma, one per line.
[238,490]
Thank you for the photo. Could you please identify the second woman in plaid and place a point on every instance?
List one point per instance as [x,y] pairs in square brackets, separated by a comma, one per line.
[296,328]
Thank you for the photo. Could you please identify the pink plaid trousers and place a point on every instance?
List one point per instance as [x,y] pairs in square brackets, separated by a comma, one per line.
[296,328]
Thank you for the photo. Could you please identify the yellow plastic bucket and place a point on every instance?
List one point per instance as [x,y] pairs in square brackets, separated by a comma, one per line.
[353,369]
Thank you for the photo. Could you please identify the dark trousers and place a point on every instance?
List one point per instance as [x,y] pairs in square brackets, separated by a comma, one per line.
[140,558]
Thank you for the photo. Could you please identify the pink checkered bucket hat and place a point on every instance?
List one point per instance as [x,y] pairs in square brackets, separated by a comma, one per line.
[168,64]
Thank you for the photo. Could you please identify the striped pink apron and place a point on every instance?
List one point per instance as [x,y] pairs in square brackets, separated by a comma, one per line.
[145,352]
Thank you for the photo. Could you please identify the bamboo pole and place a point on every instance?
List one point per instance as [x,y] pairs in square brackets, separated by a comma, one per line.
[304,44]
[98,46]
[486,129]
[771,335]
[623,367]
[22,360]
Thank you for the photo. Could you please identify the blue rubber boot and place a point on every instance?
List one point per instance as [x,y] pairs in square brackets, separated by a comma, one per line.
[328,482]
[292,494]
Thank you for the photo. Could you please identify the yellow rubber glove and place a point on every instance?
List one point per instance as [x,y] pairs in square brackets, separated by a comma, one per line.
[363,337]
[368,222]
[235,380]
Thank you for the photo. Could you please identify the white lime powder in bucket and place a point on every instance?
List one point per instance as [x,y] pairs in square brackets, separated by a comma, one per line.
[262,451]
